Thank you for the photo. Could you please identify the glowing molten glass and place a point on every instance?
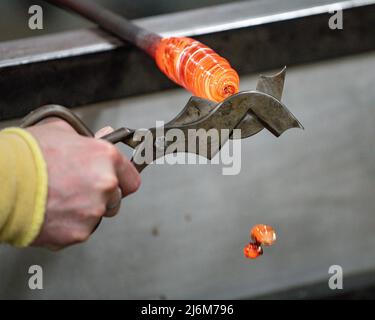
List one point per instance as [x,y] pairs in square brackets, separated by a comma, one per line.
[261,235]
[265,235]
[253,251]
[197,68]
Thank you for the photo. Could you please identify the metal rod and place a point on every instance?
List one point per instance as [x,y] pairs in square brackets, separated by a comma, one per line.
[190,64]
[112,22]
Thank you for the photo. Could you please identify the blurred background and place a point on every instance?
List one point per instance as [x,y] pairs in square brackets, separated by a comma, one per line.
[182,235]
[13,26]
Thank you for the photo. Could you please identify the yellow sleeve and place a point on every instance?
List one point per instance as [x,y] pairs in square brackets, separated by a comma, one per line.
[23,187]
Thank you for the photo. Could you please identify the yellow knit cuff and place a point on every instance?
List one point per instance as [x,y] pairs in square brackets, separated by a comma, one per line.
[41,192]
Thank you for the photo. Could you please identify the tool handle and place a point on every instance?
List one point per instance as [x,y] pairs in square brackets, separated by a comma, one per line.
[77,124]
[120,135]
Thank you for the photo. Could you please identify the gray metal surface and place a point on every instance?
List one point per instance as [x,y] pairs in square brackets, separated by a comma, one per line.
[190,23]
[86,66]
[182,234]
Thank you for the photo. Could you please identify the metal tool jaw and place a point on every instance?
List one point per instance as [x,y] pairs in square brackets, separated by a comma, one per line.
[248,111]
[263,106]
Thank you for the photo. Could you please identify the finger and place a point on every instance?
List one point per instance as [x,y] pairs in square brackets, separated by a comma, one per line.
[128,176]
[59,123]
[103,132]
[51,123]
[48,120]
[113,203]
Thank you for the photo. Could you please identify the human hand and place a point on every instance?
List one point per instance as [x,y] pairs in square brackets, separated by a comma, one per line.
[84,178]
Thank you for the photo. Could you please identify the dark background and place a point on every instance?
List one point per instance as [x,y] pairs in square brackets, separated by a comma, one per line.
[14,14]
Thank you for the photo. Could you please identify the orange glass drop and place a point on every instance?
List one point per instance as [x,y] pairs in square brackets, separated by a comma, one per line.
[261,235]
[197,68]
[264,235]
[253,251]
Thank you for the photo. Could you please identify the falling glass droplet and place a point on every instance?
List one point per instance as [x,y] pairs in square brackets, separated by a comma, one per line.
[262,235]
[252,250]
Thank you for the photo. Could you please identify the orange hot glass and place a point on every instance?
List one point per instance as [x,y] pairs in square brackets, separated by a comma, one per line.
[263,234]
[253,251]
[197,68]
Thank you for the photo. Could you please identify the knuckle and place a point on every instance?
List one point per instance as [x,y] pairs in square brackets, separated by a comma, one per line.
[91,212]
[105,182]
[106,186]
[79,236]
[111,151]
[105,149]
[97,212]
[110,183]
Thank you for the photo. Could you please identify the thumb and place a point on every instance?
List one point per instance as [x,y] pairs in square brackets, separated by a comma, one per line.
[103,132]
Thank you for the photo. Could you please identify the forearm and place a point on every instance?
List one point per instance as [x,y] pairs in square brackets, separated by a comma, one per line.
[23,187]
